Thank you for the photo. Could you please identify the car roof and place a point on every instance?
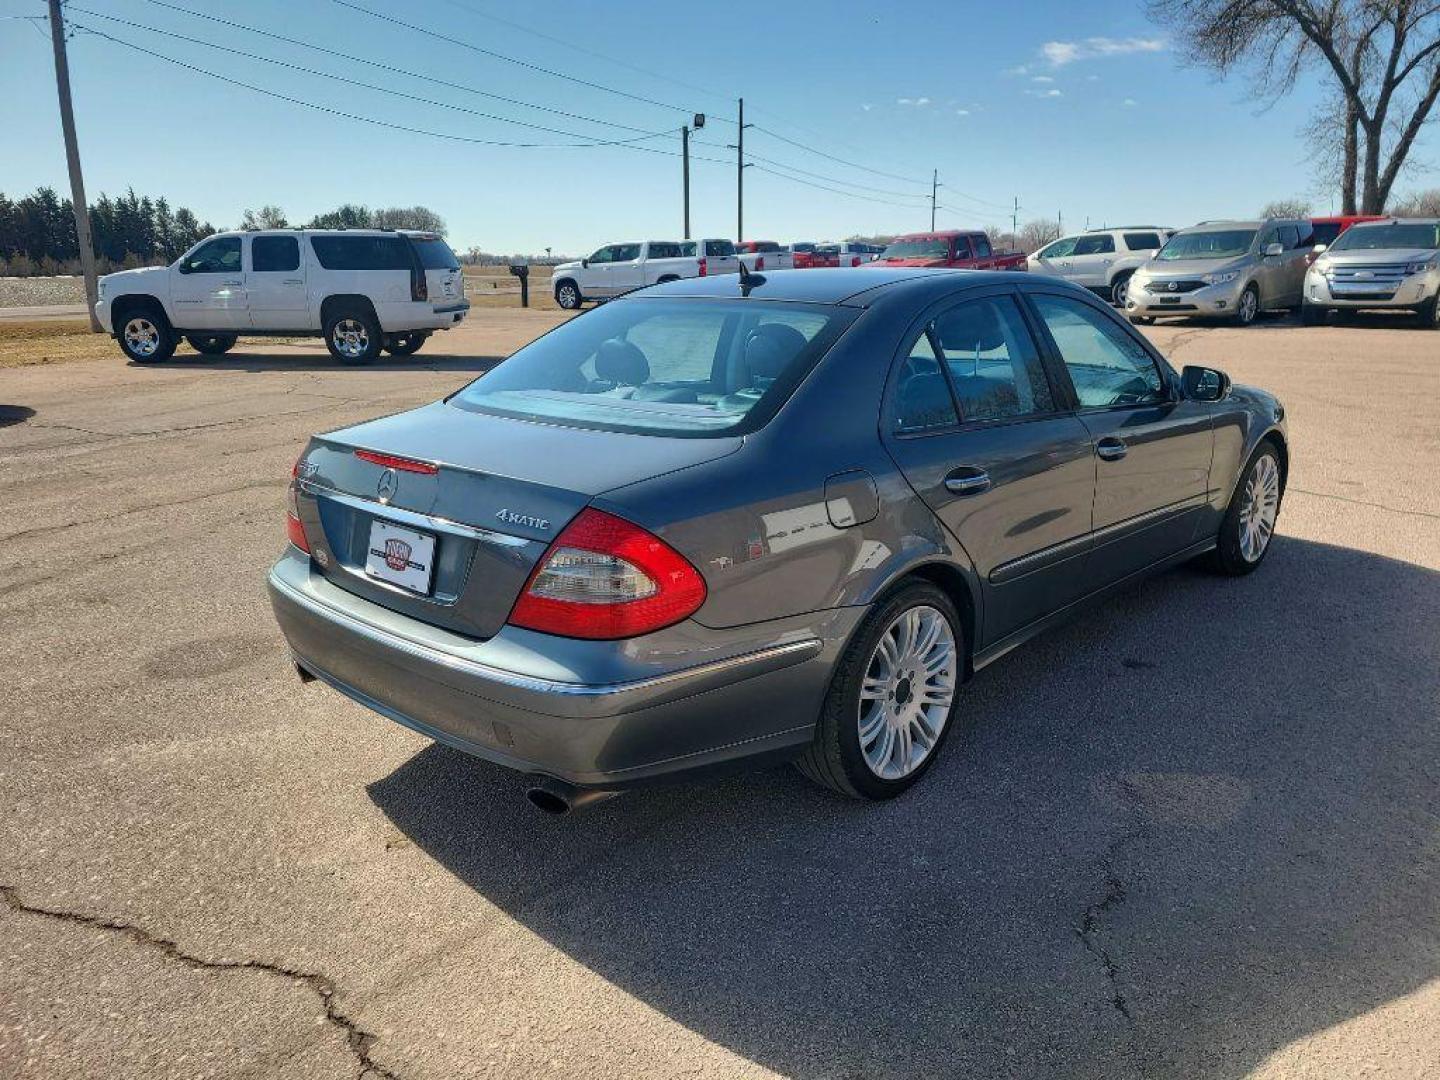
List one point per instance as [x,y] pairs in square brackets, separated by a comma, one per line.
[1396,221]
[852,286]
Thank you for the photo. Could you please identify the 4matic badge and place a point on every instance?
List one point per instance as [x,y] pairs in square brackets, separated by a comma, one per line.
[510,517]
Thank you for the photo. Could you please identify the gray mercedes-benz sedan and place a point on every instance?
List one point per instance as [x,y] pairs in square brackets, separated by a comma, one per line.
[765,517]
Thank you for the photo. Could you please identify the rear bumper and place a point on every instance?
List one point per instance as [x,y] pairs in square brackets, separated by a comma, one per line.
[420,315]
[605,723]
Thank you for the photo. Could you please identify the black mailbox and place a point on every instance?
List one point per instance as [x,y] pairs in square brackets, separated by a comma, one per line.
[522,271]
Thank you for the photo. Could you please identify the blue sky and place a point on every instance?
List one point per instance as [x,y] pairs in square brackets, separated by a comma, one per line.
[1079,109]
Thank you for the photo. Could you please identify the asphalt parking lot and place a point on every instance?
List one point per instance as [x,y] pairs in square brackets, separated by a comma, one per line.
[1194,835]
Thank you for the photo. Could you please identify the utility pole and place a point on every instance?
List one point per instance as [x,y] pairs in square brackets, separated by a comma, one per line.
[740,167]
[1060,223]
[72,159]
[685,153]
[1015,220]
[934,187]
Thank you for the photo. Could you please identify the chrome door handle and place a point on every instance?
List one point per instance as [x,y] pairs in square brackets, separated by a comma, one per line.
[967,480]
[1111,448]
[232,283]
[293,281]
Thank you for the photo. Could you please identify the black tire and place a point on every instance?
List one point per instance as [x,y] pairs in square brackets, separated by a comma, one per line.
[1313,315]
[1228,558]
[353,335]
[835,759]
[145,335]
[1427,315]
[1247,314]
[1141,320]
[211,344]
[568,295]
[404,344]
[1119,288]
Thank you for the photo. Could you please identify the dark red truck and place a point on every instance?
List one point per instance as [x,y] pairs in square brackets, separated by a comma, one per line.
[956,250]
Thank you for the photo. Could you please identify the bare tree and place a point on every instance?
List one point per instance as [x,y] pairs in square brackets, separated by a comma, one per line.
[1294,207]
[1382,58]
[1417,204]
[409,217]
[1036,234]
[267,217]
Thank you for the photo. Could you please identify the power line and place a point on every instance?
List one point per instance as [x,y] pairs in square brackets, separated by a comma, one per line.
[829,179]
[509,59]
[147,51]
[391,68]
[832,157]
[349,81]
[835,191]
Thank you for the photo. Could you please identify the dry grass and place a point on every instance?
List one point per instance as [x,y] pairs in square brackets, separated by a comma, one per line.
[52,341]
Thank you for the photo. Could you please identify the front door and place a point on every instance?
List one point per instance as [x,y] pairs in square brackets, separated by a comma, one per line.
[1152,447]
[984,438]
[208,290]
[275,284]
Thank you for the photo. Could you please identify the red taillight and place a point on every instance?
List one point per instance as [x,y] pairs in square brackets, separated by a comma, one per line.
[855,260]
[760,263]
[605,578]
[294,530]
[702,267]
[400,464]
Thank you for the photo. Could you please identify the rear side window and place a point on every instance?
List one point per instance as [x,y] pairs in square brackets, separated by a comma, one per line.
[435,254]
[361,252]
[1106,365]
[766,246]
[1142,241]
[687,368]
[922,399]
[719,248]
[664,250]
[1101,244]
[1325,232]
[274,254]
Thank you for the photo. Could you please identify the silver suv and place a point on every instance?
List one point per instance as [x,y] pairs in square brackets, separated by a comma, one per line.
[1379,264]
[1101,259]
[1224,269]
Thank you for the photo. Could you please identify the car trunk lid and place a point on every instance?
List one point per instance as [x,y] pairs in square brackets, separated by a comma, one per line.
[474,499]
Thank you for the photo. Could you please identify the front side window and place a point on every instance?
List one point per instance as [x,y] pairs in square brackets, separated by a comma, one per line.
[1059,249]
[1219,244]
[1106,364]
[274,254]
[982,247]
[604,255]
[218,256]
[1095,245]
[362,252]
[685,368]
[1290,237]
[992,361]
[1142,241]
[962,247]
[625,252]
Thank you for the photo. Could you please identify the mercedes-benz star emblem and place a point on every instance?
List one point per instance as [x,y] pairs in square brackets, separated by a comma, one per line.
[387,485]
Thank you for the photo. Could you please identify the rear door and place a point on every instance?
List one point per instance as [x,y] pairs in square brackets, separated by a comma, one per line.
[627,270]
[984,437]
[1091,261]
[208,287]
[275,284]
[1152,447]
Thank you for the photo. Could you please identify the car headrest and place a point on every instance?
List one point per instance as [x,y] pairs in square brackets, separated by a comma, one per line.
[924,401]
[770,348]
[970,328]
[620,362]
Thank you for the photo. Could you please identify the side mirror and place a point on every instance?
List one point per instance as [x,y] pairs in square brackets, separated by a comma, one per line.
[1204,384]
[585,264]
[1320,249]
[1274,249]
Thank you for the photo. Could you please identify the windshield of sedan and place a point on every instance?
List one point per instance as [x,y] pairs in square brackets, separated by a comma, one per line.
[680,367]
[917,249]
[1221,244]
[1399,234]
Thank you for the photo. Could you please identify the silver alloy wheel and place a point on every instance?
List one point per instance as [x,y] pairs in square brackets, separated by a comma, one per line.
[569,296]
[351,338]
[1119,291]
[1260,506]
[142,336]
[907,692]
[1249,306]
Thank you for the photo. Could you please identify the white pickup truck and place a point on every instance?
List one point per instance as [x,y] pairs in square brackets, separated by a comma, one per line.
[620,268]
[765,255]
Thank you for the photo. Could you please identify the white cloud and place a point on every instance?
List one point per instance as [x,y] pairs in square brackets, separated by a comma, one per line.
[1130,103]
[1042,79]
[1092,78]
[1060,53]
[1045,93]
[1019,69]
[867,107]
[919,102]
[904,101]
[962,112]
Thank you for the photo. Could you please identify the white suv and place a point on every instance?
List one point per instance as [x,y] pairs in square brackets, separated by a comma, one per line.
[616,269]
[362,289]
[1102,259]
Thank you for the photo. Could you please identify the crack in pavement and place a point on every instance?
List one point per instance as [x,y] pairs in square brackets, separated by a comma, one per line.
[1362,502]
[359,1041]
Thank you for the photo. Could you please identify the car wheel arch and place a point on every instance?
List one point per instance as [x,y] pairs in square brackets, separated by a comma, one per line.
[957,583]
[123,306]
[338,302]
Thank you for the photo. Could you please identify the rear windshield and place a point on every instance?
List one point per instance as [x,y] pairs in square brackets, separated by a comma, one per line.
[651,366]
[917,249]
[435,254]
[1226,244]
[719,248]
[362,252]
[1400,234]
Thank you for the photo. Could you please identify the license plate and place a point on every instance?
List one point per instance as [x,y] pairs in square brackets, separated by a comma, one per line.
[449,288]
[1169,299]
[401,557]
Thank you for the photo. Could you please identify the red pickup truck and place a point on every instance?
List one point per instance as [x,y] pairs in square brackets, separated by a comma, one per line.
[957,250]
